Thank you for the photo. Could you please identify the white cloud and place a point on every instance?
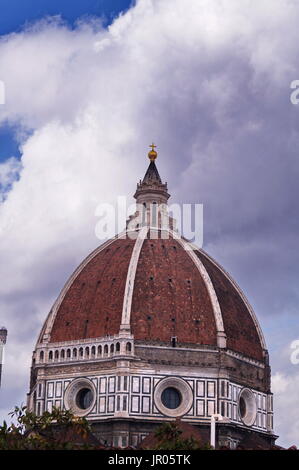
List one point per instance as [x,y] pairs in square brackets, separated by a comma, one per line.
[199,80]
[279,383]
[286,410]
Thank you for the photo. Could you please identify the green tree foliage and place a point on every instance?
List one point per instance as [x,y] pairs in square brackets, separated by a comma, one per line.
[169,437]
[59,430]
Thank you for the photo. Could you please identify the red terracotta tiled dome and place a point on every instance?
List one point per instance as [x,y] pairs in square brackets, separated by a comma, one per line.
[173,295]
[155,289]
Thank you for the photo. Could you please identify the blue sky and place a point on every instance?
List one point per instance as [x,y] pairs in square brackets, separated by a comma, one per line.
[9,146]
[16,14]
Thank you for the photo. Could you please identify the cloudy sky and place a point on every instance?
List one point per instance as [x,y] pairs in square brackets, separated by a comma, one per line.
[88,89]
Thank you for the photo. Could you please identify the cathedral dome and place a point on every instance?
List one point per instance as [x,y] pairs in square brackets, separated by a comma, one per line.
[150,328]
[160,289]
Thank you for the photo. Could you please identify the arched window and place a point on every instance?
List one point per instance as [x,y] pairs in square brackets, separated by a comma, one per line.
[112,349]
[75,352]
[62,354]
[87,352]
[51,356]
[100,351]
[144,214]
[106,350]
[56,354]
[154,213]
[41,356]
[81,353]
[68,353]
[117,347]
[128,347]
[93,351]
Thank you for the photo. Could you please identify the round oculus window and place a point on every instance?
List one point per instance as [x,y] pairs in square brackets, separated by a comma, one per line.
[171,398]
[247,407]
[84,398]
[80,396]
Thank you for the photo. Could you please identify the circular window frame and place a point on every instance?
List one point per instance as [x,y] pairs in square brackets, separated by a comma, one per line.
[71,392]
[182,387]
[250,406]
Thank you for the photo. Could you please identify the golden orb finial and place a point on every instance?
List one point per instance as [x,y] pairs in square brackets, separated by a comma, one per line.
[152,155]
